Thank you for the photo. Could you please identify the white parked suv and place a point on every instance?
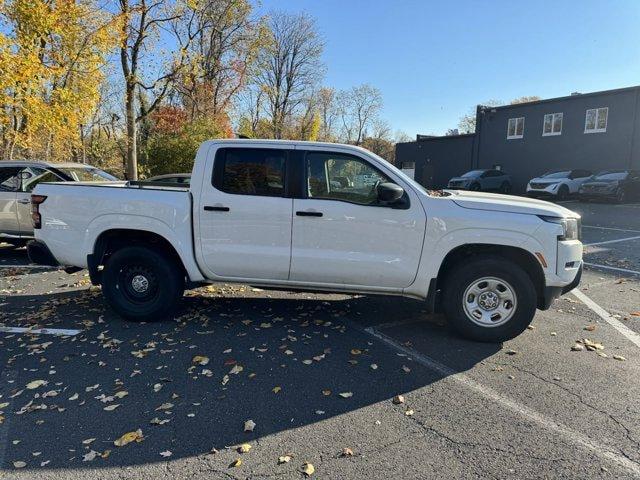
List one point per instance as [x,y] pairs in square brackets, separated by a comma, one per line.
[297,215]
[558,183]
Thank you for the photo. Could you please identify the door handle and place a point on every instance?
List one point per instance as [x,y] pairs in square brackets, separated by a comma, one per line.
[309,214]
[24,201]
[210,208]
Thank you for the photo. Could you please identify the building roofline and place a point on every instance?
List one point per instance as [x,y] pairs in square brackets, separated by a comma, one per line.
[566,97]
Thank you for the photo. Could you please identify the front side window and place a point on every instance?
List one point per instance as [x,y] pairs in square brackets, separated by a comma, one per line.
[87,174]
[552,124]
[332,176]
[250,171]
[515,128]
[596,120]
[9,179]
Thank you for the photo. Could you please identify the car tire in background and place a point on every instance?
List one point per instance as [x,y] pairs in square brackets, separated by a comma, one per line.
[489,299]
[474,187]
[505,187]
[621,195]
[563,192]
[142,284]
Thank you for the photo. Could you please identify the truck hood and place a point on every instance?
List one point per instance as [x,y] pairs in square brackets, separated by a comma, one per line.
[508,203]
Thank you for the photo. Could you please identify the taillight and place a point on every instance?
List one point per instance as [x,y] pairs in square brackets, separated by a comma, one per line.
[36,200]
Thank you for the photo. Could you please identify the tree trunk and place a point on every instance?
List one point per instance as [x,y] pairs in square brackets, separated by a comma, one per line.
[132,134]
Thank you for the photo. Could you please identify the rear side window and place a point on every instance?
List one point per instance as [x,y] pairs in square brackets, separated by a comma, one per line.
[9,179]
[250,171]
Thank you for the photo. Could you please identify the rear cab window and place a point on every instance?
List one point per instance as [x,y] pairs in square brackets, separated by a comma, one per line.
[250,171]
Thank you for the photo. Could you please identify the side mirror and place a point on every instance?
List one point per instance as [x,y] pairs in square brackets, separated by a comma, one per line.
[389,193]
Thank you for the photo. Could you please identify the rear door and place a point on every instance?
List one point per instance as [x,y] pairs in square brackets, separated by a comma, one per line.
[244,214]
[342,235]
[9,184]
[31,176]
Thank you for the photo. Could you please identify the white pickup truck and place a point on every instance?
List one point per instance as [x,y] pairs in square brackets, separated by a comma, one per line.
[318,217]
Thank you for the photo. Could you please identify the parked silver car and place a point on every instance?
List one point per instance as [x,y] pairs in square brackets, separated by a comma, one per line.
[482,180]
[18,179]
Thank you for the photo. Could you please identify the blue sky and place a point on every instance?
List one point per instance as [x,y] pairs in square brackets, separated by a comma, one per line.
[433,61]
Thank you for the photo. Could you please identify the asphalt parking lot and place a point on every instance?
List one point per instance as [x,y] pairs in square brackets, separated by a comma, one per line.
[317,375]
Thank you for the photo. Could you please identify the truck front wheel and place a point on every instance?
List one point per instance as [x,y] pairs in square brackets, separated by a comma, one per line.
[489,299]
[142,284]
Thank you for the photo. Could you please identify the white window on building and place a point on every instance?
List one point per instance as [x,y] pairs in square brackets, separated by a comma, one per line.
[595,120]
[552,124]
[515,128]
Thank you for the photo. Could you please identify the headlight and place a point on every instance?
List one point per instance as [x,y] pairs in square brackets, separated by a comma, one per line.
[572,227]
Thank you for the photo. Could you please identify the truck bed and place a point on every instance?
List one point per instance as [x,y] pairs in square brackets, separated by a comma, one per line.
[75,214]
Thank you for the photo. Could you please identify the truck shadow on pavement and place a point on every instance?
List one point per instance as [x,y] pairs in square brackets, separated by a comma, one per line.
[189,385]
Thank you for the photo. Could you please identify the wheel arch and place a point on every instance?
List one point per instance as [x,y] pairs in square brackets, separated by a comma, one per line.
[520,256]
[110,241]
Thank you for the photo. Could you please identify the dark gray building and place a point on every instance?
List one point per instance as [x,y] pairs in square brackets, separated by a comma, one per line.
[594,131]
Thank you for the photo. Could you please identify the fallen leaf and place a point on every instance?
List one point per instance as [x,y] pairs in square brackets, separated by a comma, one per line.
[88,441]
[165,406]
[284,459]
[88,457]
[111,408]
[577,347]
[308,469]
[406,369]
[409,412]
[35,384]
[356,351]
[346,394]
[249,425]
[374,366]
[157,421]
[121,394]
[73,397]
[166,453]
[236,463]
[200,360]
[276,389]
[619,357]
[511,352]
[128,438]
[346,452]
[19,464]
[326,393]
[635,314]
[398,399]
[590,328]
[244,448]
[236,370]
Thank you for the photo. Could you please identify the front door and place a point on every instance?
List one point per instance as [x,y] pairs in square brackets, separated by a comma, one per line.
[343,235]
[245,216]
[9,184]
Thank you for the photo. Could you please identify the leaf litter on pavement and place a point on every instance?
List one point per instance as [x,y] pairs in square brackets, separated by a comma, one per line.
[119,369]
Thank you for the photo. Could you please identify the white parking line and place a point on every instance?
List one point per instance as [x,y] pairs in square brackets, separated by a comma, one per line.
[41,331]
[607,267]
[570,436]
[632,336]
[611,228]
[612,241]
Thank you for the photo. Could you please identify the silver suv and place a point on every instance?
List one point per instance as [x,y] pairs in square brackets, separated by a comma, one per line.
[18,179]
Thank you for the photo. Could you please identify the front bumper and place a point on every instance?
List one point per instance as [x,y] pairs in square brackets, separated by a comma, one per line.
[551,294]
[40,254]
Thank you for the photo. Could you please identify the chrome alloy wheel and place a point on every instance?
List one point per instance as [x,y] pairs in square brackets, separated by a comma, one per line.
[489,302]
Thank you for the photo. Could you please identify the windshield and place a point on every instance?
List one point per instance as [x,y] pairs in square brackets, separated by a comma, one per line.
[560,174]
[473,173]
[87,174]
[609,176]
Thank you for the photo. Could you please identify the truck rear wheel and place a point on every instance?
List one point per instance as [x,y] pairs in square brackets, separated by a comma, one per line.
[142,284]
[489,299]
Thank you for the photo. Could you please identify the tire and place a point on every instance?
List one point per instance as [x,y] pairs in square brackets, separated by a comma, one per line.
[621,195]
[505,187]
[501,273]
[563,192]
[474,187]
[142,285]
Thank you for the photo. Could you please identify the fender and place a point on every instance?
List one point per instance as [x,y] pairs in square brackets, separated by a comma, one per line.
[181,243]
[467,236]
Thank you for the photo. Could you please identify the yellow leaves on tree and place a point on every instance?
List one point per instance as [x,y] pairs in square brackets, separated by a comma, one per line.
[52,57]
